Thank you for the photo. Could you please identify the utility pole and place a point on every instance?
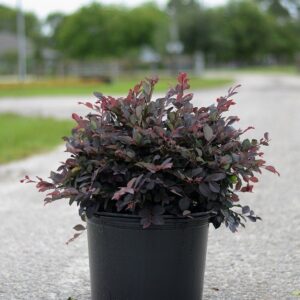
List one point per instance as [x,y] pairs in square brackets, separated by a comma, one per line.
[22,67]
[174,46]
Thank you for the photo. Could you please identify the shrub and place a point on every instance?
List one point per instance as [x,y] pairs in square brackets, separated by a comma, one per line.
[150,158]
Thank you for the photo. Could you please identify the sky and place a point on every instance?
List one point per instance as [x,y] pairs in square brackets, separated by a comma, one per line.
[43,7]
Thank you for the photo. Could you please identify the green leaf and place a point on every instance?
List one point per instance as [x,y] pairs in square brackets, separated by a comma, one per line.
[233,179]
[246,144]
[93,124]
[75,170]
[296,293]
[172,116]
[226,167]
[169,124]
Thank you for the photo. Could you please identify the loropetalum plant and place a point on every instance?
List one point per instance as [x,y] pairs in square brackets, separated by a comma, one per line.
[150,158]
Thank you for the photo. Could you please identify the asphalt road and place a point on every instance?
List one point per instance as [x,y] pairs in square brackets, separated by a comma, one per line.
[261,262]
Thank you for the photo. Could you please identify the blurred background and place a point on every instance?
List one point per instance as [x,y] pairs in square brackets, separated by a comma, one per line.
[102,40]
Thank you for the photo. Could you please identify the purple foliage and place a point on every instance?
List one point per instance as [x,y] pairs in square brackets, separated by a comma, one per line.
[151,158]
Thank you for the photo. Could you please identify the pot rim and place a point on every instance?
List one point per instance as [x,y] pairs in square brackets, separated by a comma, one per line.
[134,221]
[172,217]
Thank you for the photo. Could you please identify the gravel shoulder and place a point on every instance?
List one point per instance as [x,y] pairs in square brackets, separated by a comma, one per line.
[261,262]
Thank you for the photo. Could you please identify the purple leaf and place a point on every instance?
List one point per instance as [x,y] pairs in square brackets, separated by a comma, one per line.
[214,187]
[79,227]
[215,177]
[204,190]
[184,203]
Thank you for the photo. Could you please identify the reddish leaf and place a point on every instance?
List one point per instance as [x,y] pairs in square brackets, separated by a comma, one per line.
[248,128]
[26,179]
[253,179]
[123,190]
[87,104]
[112,102]
[131,182]
[155,168]
[146,222]
[234,197]
[165,166]
[75,236]
[232,119]
[183,80]
[137,87]
[272,169]
[247,188]
[260,162]
[43,186]
[76,117]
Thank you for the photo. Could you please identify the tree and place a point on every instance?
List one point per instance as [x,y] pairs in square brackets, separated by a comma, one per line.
[8,23]
[285,27]
[53,24]
[285,42]
[98,31]
[281,8]
[147,26]
[194,26]
[248,30]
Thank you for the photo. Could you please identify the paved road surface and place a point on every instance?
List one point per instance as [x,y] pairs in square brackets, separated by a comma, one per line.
[261,262]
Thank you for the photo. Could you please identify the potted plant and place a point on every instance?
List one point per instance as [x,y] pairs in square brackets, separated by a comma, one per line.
[148,177]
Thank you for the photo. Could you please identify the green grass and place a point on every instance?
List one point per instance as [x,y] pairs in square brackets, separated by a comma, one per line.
[288,69]
[77,87]
[272,69]
[23,136]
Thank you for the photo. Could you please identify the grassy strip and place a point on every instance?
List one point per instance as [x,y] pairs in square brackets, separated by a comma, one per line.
[77,87]
[271,70]
[288,69]
[23,136]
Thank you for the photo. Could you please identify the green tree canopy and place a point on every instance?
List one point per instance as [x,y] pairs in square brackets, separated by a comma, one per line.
[194,25]
[97,31]
[53,25]
[247,27]
[8,22]
[243,31]
[281,8]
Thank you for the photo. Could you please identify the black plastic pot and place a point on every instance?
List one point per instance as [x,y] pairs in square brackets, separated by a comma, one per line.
[158,263]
